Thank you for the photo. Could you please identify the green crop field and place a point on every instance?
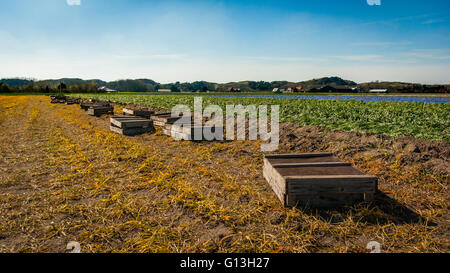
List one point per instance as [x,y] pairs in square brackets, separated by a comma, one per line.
[420,120]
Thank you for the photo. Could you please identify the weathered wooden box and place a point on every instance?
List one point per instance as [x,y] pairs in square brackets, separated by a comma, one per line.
[71,101]
[100,110]
[162,119]
[137,112]
[86,105]
[317,180]
[188,132]
[58,99]
[131,125]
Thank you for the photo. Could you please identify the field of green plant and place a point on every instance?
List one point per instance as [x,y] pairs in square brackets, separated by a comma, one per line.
[420,120]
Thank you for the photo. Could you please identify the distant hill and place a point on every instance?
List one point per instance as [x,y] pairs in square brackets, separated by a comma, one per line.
[147,85]
[250,86]
[73,85]
[331,81]
[72,81]
[16,81]
[139,85]
[401,87]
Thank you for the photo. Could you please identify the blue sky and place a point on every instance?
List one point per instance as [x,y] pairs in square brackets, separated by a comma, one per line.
[226,41]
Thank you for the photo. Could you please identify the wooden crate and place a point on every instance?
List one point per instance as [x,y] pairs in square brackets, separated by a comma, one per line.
[137,112]
[317,180]
[58,99]
[186,132]
[131,125]
[162,119]
[181,132]
[86,105]
[100,110]
[71,101]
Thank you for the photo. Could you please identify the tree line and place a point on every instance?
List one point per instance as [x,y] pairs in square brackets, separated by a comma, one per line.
[334,84]
[42,87]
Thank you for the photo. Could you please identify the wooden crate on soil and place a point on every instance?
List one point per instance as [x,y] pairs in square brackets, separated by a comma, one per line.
[86,105]
[58,99]
[131,125]
[187,132]
[97,111]
[71,101]
[162,119]
[137,112]
[317,180]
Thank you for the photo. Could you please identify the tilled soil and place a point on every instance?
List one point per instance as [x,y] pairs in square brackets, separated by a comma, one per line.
[432,156]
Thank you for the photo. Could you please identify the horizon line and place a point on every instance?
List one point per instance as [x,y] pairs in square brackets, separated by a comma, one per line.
[124,79]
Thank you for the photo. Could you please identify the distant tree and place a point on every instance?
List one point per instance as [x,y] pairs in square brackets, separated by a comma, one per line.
[142,85]
[260,86]
[16,82]
[4,88]
[62,87]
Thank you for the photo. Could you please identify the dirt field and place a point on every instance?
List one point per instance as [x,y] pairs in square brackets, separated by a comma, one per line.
[65,177]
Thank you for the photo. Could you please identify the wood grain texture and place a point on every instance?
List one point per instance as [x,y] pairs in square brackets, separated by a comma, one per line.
[132,122]
[100,110]
[275,180]
[304,155]
[137,112]
[131,131]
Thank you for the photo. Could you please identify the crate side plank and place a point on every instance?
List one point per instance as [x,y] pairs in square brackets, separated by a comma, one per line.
[190,129]
[177,135]
[98,111]
[131,131]
[275,180]
[329,187]
[324,200]
[317,164]
[159,123]
[304,155]
[131,123]
[165,119]
[137,112]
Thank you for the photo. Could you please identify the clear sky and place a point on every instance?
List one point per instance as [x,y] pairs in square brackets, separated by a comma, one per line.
[224,41]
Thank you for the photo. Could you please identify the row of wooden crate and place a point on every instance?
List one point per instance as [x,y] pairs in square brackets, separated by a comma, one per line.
[138,121]
[308,179]
[63,99]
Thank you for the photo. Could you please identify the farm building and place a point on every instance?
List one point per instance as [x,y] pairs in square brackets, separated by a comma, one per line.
[276,90]
[345,89]
[164,90]
[378,91]
[106,89]
[295,89]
